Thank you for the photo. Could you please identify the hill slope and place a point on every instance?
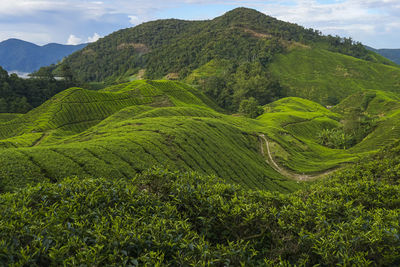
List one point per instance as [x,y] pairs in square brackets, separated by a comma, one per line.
[169,218]
[327,77]
[125,129]
[21,56]
[392,54]
[174,46]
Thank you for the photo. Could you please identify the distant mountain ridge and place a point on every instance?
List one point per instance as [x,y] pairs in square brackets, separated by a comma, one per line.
[22,56]
[392,54]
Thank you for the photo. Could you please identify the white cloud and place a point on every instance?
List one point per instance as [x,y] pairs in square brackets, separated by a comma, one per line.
[73,40]
[94,38]
[134,20]
[23,7]
[362,19]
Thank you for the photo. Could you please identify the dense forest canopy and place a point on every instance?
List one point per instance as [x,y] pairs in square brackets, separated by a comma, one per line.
[19,95]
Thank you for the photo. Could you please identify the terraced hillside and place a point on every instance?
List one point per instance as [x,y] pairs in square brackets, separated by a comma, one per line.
[241,54]
[327,77]
[126,129]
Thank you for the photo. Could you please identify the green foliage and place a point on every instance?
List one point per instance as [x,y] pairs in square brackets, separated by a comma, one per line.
[19,95]
[170,218]
[335,138]
[357,124]
[127,128]
[250,108]
[327,77]
[175,46]
[233,83]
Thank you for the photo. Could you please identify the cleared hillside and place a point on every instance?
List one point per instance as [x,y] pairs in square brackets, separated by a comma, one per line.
[126,129]
[328,77]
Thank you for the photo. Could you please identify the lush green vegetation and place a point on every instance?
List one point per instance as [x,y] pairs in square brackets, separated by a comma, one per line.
[19,95]
[127,174]
[125,129]
[163,217]
[228,57]
[327,77]
[170,46]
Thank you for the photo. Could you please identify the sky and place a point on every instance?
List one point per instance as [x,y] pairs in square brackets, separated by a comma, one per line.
[374,23]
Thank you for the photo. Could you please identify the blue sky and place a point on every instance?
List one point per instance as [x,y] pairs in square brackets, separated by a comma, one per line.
[375,23]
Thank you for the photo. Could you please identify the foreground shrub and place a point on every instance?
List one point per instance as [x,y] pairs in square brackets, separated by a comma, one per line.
[167,218]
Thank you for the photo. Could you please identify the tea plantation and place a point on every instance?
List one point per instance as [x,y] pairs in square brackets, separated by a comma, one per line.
[128,176]
[162,218]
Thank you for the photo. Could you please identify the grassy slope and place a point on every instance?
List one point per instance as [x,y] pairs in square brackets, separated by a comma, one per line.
[112,134]
[295,123]
[131,127]
[385,108]
[4,117]
[317,74]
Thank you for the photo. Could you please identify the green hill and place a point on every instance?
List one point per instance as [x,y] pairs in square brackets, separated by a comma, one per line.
[128,128]
[328,77]
[227,57]
[175,46]
[125,129]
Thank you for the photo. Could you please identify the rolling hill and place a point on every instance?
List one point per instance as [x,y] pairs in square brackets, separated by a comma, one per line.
[174,46]
[327,77]
[239,55]
[125,129]
[26,57]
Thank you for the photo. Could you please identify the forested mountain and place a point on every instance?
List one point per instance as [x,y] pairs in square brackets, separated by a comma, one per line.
[175,46]
[238,47]
[392,54]
[22,56]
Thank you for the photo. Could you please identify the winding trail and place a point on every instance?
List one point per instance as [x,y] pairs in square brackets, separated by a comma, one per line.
[285,172]
[37,142]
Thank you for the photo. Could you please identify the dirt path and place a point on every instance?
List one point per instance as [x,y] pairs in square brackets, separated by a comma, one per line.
[285,172]
[37,142]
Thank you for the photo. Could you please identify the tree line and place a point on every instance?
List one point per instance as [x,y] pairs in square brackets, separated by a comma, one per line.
[19,95]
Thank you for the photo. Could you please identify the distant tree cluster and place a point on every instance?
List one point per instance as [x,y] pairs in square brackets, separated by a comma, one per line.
[242,82]
[356,126]
[19,95]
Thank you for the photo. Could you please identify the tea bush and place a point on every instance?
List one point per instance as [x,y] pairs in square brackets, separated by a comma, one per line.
[170,218]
